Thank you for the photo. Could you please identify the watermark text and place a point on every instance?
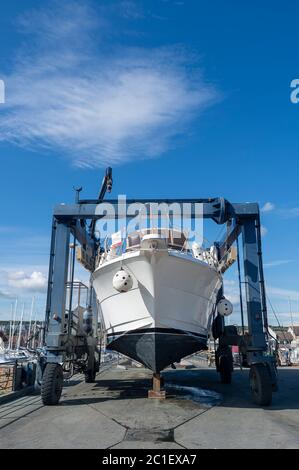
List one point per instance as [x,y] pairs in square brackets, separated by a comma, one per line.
[2,92]
[127,217]
[295,91]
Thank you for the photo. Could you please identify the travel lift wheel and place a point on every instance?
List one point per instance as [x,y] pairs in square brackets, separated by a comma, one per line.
[260,384]
[225,369]
[90,375]
[52,383]
[93,368]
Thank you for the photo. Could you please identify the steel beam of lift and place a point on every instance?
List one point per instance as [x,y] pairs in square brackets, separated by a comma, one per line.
[62,347]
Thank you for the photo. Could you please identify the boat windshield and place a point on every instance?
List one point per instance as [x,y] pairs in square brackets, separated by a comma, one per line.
[117,243]
[175,238]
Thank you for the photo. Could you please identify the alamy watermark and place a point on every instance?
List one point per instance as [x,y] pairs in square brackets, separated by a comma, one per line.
[186,217]
[2,92]
[295,91]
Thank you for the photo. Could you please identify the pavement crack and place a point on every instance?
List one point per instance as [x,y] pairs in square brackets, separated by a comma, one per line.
[119,442]
[193,417]
[103,414]
[20,417]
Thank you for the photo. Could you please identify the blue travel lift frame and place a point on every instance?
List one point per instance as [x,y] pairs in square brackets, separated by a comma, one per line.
[62,346]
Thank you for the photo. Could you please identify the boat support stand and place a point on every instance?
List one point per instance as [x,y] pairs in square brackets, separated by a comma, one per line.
[156,391]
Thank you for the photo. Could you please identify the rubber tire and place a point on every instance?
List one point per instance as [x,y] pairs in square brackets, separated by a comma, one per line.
[225,370]
[52,384]
[260,385]
[90,376]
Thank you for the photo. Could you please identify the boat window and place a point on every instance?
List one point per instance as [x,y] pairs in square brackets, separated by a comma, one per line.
[133,241]
[175,238]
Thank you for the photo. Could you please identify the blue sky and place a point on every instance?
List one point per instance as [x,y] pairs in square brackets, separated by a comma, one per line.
[183,98]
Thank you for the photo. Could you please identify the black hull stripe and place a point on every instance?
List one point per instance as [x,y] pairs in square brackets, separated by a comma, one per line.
[167,331]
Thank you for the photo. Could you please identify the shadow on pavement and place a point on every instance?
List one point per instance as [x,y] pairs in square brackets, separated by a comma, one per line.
[236,395]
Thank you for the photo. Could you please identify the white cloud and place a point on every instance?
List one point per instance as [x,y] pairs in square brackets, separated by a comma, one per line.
[264,231]
[295,315]
[7,229]
[36,281]
[5,295]
[292,213]
[229,282]
[283,293]
[280,262]
[233,298]
[98,107]
[284,212]
[130,9]
[231,291]
[268,207]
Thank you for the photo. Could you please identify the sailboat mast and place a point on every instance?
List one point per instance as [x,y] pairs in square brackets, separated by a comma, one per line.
[20,327]
[291,313]
[10,325]
[34,331]
[13,323]
[30,318]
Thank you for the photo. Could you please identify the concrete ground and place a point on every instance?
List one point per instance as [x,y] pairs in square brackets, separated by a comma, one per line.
[115,413]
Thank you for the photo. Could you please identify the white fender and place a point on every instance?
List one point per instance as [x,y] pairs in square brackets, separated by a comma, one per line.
[225,307]
[122,281]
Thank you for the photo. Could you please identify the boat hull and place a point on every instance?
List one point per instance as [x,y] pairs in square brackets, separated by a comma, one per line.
[156,348]
[167,313]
